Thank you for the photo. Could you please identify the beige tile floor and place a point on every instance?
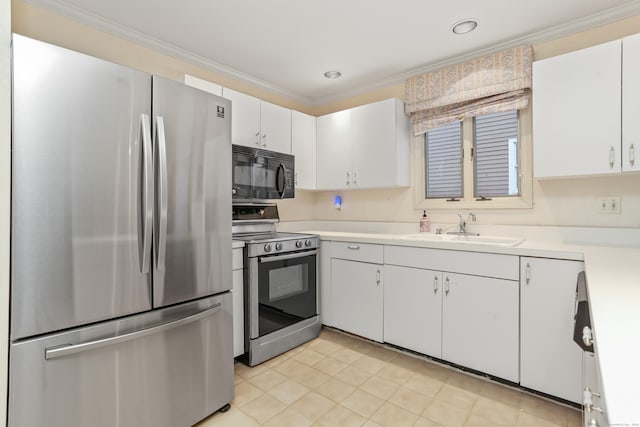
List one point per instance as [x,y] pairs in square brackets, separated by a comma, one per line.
[337,380]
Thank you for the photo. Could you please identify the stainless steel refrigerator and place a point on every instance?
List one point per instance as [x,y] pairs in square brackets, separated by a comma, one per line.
[120,246]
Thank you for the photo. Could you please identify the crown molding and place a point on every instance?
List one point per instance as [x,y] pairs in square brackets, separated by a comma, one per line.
[82,16]
[98,22]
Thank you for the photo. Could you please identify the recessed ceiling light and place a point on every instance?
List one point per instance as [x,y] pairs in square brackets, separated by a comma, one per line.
[464,26]
[333,74]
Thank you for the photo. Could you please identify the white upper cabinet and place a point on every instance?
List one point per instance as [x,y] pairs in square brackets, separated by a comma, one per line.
[275,127]
[256,123]
[630,102]
[577,112]
[303,147]
[333,151]
[381,145]
[364,147]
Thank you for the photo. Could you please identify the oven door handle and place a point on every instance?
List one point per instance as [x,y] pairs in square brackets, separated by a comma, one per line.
[287,256]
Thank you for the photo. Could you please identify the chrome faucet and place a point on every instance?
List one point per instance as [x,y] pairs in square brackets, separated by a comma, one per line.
[462,225]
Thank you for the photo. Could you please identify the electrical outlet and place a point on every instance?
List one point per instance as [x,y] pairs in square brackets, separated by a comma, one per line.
[608,204]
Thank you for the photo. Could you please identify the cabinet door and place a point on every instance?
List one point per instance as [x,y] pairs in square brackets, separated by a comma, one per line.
[303,147]
[549,359]
[376,150]
[357,294]
[480,324]
[245,118]
[576,112]
[630,102]
[275,127]
[413,309]
[333,151]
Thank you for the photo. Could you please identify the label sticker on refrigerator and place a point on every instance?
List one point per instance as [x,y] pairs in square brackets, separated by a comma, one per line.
[220,112]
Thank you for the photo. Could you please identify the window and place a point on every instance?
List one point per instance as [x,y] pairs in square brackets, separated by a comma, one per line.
[484,161]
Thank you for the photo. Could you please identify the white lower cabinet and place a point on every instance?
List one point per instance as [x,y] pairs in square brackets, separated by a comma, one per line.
[480,324]
[356,289]
[413,309]
[468,320]
[238,302]
[357,297]
[550,361]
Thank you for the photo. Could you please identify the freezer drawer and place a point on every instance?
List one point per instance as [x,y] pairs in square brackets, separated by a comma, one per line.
[163,368]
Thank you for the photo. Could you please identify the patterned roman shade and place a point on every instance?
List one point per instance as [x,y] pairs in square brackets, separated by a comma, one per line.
[494,83]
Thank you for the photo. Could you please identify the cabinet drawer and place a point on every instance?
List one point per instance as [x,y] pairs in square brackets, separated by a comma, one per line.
[236,261]
[357,251]
[473,263]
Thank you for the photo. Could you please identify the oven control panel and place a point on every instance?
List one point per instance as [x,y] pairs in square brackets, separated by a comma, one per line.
[282,246]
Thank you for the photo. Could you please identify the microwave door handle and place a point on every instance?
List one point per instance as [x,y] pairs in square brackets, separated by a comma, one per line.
[145,196]
[160,231]
[284,180]
[288,256]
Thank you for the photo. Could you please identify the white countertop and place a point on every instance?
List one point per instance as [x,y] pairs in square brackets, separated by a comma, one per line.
[613,282]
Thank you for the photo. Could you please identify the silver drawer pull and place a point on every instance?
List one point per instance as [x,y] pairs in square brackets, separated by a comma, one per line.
[355,247]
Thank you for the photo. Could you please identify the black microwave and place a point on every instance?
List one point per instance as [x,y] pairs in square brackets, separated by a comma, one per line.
[262,174]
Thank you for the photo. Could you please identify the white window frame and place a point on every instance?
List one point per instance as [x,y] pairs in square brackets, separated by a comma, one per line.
[468,201]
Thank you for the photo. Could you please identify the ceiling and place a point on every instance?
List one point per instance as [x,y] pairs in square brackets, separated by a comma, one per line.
[286,45]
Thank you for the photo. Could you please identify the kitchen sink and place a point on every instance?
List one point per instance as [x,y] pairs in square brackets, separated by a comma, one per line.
[467,239]
[485,240]
[424,236]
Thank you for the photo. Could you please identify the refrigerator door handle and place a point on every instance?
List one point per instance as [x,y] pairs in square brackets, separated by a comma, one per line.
[145,201]
[160,231]
[68,350]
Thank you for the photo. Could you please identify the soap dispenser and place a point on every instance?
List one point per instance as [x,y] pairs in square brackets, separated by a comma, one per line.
[424,223]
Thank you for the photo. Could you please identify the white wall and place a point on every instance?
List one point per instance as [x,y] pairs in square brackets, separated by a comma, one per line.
[5,200]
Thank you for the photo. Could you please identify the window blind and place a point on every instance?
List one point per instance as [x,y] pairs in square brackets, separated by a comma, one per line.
[444,161]
[494,168]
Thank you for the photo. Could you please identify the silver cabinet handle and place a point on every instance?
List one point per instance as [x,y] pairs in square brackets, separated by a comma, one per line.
[446,286]
[632,155]
[435,284]
[527,274]
[348,178]
[258,142]
[354,247]
[264,139]
[56,352]
[587,336]
[355,178]
[145,199]
[378,277]
[295,178]
[612,156]
[160,226]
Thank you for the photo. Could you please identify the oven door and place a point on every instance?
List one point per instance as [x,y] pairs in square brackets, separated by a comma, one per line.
[283,291]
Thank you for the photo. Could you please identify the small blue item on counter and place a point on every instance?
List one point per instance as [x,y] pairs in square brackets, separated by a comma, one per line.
[337,201]
[424,223]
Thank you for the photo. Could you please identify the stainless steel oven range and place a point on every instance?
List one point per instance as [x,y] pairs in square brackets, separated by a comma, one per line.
[280,283]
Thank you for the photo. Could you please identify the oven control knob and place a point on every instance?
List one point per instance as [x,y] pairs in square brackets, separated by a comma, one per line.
[278,246]
[307,243]
[299,244]
[267,247]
